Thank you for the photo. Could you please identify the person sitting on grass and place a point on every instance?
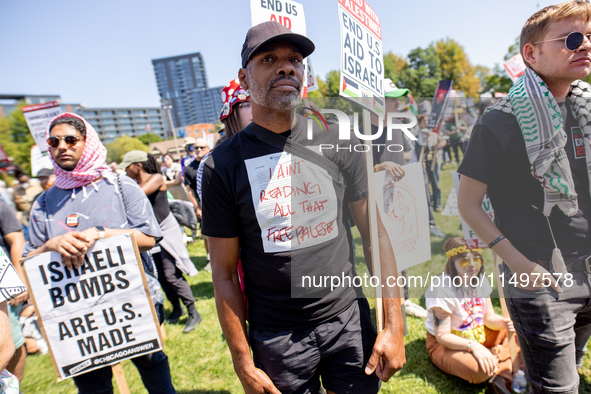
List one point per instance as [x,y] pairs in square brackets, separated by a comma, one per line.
[465,337]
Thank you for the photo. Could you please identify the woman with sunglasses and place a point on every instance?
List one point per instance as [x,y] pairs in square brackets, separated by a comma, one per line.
[465,337]
[173,259]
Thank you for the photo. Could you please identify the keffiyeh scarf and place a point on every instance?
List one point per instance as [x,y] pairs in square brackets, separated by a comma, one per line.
[542,128]
[92,164]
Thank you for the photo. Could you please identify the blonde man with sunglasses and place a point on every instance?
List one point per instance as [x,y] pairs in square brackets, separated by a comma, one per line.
[532,154]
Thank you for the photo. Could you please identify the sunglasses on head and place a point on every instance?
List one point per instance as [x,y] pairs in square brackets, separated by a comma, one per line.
[465,261]
[573,41]
[70,140]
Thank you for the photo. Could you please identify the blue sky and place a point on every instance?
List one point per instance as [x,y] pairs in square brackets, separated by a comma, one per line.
[99,53]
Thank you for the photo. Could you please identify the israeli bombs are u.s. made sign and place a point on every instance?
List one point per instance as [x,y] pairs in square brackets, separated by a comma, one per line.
[362,67]
[99,314]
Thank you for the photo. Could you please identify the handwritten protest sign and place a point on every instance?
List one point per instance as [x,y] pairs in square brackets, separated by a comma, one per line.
[405,214]
[362,69]
[99,314]
[37,117]
[294,200]
[472,240]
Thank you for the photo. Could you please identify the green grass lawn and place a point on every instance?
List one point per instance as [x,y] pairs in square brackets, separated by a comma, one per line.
[200,361]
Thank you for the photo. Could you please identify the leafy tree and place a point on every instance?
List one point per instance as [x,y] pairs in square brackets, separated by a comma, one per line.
[499,80]
[393,66]
[16,138]
[146,139]
[122,145]
[456,66]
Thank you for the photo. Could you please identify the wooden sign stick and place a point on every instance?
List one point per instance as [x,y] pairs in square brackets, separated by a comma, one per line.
[510,335]
[120,379]
[373,223]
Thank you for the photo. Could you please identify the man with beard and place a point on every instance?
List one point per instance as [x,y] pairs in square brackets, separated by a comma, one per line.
[284,217]
[69,217]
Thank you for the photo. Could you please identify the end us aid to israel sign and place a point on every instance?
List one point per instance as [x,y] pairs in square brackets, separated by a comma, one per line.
[362,68]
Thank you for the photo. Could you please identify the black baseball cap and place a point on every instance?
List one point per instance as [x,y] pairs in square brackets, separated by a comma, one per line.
[271,31]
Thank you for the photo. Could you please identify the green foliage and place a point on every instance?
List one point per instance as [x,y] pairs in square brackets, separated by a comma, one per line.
[498,81]
[423,72]
[513,49]
[16,138]
[122,145]
[146,139]
[393,66]
[456,66]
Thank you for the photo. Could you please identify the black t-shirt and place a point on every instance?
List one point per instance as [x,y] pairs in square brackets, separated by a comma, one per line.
[497,157]
[288,215]
[191,176]
[8,224]
[160,205]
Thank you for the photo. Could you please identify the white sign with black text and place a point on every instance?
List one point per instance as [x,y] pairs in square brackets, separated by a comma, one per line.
[99,314]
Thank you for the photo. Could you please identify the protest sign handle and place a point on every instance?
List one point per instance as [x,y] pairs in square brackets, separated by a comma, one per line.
[147,288]
[120,378]
[510,335]
[373,223]
[40,320]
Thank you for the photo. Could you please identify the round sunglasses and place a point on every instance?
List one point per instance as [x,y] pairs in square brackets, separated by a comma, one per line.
[70,140]
[573,41]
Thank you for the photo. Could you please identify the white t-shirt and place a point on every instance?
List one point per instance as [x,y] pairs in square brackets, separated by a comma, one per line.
[172,171]
[466,306]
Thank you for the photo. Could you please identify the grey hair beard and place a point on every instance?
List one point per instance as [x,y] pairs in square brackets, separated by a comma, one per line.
[260,95]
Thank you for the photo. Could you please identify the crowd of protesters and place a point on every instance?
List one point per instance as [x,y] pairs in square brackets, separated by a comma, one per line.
[301,339]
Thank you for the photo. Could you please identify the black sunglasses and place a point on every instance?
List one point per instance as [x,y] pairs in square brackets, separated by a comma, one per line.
[70,140]
[573,41]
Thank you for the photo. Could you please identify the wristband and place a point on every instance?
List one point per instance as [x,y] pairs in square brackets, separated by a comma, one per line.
[101,231]
[496,241]
[469,347]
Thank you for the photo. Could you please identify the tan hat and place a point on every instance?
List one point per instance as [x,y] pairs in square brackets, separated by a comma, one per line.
[189,141]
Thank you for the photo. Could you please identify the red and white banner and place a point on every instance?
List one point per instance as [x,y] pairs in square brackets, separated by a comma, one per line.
[515,67]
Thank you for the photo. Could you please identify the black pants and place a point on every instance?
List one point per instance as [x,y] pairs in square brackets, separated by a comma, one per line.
[171,279]
[457,145]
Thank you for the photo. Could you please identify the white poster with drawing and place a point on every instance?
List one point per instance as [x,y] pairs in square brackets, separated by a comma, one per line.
[405,214]
[294,201]
[472,240]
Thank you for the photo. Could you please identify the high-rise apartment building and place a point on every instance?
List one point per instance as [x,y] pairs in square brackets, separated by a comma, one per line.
[182,84]
[111,123]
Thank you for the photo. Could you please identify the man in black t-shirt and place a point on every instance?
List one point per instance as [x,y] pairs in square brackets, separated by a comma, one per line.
[201,148]
[541,129]
[283,217]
